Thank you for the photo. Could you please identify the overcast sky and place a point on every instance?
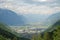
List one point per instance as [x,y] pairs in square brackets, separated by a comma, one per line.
[32,6]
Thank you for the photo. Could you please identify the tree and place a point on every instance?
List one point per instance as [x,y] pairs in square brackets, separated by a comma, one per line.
[56,33]
[34,37]
[39,37]
[2,38]
[47,36]
[14,38]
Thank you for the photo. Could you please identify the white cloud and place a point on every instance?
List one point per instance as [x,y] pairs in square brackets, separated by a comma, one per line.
[44,0]
[40,0]
[25,8]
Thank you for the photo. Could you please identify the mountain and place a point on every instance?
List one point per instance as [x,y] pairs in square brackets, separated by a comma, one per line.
[6,32]
[52,19]
[54,26]
[11,18]
[35,18]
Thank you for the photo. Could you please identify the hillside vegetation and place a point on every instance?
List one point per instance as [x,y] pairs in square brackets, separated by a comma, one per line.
[7,34]
[52,33]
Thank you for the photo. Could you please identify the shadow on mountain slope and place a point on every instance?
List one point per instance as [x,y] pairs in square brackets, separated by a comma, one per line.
[11,18]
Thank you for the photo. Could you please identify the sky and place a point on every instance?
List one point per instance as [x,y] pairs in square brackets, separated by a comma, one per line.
[31,6]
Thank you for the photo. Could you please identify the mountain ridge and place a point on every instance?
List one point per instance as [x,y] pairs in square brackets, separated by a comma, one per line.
[11,18]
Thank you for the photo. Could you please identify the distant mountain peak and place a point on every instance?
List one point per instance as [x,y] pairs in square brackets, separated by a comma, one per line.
[53,18]
[11,18]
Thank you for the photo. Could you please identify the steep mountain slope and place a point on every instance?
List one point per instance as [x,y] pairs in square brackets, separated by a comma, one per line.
[54,26]
[11,18]
[6,32]
[52,19]
[4,27]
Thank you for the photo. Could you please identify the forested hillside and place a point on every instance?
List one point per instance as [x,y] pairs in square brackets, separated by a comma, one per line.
[7,34]
[52,33]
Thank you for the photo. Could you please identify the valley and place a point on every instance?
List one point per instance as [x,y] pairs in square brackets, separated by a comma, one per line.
[28,29]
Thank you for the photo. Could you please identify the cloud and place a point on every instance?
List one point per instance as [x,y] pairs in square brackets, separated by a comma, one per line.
[44,0]
[25,8]
[40,0]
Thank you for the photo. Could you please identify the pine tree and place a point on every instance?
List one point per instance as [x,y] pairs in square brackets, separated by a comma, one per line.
[2,38]
[47,36]
[34,37]
[56,33]
[14,38]
[39,37]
